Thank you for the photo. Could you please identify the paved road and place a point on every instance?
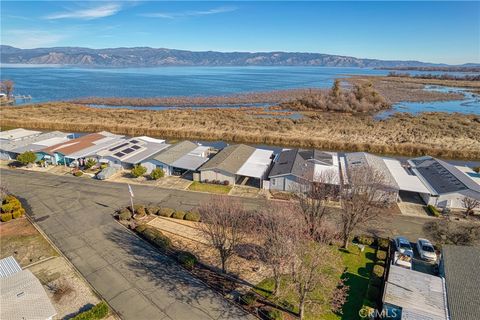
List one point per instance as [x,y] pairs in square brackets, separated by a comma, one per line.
[136,280]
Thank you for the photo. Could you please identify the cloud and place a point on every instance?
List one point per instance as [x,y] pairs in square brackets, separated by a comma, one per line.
[195,13]
[87,14]
[28,39]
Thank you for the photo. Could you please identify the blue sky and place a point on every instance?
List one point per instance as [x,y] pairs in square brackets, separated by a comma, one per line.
[435,31]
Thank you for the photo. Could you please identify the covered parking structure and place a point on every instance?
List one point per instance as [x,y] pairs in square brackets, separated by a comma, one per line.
[255,169]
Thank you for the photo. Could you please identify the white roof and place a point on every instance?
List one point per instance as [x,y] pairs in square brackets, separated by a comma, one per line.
[149,139]
[98,145]
[330,172]
[199,151]
[257,164]
[16,134]
[421,296]
[133,150]
[23,297]
[9,266]
[470,173]
[52,141]
[404,180]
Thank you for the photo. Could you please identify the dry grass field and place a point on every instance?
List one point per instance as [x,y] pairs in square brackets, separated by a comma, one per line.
[438,134]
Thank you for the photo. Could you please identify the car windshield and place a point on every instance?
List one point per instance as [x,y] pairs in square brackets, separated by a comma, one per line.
[428,249]
[405,245]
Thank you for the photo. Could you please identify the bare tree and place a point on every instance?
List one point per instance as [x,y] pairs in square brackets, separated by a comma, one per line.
[280,226]
[317,267]
[314,203]
[7,87]
[224,222]
[449,232]
[362,199]
[470,204]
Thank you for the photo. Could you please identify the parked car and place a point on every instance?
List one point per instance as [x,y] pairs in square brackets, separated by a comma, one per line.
[403,246]
[426,250]
[402,260]
[107,173]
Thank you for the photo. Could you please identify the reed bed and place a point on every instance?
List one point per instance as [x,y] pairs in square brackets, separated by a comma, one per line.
[455,136]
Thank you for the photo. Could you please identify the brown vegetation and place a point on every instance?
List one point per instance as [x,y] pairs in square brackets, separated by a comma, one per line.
[437,68]
[444,76]
[453,136]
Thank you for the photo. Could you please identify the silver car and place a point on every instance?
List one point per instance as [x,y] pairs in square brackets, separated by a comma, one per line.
[426,250]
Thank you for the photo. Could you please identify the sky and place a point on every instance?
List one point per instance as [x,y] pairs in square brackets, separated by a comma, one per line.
[432,31]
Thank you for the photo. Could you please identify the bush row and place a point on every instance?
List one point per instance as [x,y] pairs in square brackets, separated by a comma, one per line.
[141,211]
[154,236]
[381,243]
[225,182]
[98,311]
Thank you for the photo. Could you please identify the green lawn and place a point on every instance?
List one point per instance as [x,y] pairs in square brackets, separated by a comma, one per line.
[207,187]
[358,267]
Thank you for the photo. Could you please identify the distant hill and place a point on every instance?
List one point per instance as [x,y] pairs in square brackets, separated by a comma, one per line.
[152,57]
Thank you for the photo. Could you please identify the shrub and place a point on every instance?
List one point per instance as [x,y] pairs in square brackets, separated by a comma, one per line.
[476,169]
[373,293]
[140,228]
[26,158]
[433,210]
[383,243]
[152,210]
[157,174]
[78,173]
[381,255]
[248,299]
[179,214]
[98,311]
[16,214]
[162,242]
[192,215]
[378,271]
[103,166]
[138,171]
[166,212]
[90,163]
[226,183]
[124,214]
[6,217]
[150,233]
[273,314]
[366,240]
[139,210]
[187,259]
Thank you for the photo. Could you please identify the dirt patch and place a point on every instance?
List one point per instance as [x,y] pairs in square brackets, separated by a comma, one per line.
[21,240]
[68,292]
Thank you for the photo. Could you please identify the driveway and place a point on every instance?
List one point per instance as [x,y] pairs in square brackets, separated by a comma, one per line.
[135,279]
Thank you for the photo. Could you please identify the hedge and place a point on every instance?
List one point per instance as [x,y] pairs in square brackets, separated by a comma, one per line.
[187,259]
[378,271]
[248,299]
[155,237]
[179,214]
[192,216]
[381,255]
[124,214]
[140,228]
[152,210]
[98,311]
[166,212]
[366,240]
[6,217]
[433,210]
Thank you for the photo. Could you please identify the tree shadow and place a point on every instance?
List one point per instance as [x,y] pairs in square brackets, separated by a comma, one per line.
[356,293]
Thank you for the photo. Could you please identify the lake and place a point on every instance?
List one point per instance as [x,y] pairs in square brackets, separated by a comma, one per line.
[47,83]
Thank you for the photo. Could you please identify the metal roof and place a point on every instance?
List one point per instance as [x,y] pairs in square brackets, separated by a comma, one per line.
[175,152]
[189,162]
[461,265]
[23,297]
[257,164]
[421,296]
[406,181]
[9,266]
[359,159]
[230,159]
[133,150]
[443,177]
[30,142]
[17,134]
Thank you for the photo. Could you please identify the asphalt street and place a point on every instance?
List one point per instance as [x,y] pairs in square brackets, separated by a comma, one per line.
[135,279]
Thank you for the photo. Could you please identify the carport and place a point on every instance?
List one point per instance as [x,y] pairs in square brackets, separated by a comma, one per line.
[255,169]
[411,187]
[187,163]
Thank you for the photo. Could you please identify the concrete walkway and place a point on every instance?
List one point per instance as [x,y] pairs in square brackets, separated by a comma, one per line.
[135,279]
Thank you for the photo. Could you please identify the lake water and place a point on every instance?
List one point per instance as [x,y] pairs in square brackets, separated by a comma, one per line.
[47,83]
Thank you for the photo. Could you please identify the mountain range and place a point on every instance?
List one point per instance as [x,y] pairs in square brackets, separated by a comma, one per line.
[154,57]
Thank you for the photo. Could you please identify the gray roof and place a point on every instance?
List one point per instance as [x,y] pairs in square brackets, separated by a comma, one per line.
[9,266]
[134,150]
[230,159]
[462,278]
[23,297]
[442,176]
[294,161]
[359,159]
[175,152]
[420,295]
[28,143]
[189,162]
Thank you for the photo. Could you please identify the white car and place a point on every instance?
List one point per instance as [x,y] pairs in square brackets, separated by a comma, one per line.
[426,250]
[403,246]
